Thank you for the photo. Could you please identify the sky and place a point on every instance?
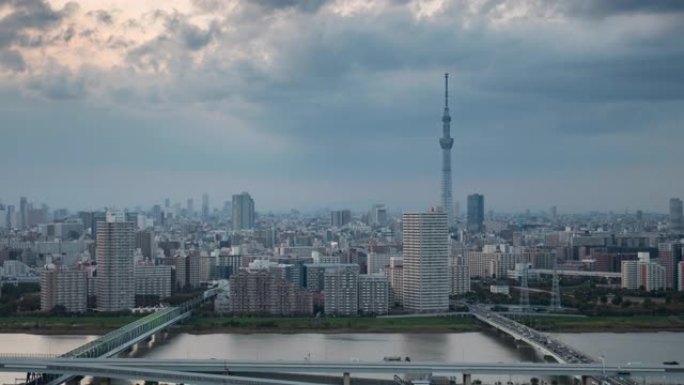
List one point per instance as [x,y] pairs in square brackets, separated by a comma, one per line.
[309,104]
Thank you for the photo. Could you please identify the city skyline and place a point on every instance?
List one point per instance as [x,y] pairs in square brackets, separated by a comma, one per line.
[587,118]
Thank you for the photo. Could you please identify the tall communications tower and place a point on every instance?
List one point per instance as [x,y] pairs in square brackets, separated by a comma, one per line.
[446,142]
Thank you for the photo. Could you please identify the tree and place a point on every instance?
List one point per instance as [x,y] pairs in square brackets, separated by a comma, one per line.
[617,300]
[603,299]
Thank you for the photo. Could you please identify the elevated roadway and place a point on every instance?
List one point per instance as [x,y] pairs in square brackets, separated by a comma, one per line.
[175,369]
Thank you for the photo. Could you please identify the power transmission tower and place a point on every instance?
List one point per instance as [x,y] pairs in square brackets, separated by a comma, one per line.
[524,292]
[555,291]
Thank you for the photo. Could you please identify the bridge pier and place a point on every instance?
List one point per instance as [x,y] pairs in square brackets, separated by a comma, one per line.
[346,378]
[467,379]
[585,380]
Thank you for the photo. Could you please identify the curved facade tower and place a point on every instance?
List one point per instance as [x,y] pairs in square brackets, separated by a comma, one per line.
[446,142]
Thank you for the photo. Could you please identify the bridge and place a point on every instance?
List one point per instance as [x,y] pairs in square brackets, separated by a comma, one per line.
[550,347]
[123,338]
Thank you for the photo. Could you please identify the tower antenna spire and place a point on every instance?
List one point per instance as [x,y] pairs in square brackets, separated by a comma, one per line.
[446,90]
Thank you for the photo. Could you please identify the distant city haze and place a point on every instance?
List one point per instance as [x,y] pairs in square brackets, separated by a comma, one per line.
[577,105]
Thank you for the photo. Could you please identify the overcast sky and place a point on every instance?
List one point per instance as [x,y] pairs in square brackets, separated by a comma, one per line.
[313,103]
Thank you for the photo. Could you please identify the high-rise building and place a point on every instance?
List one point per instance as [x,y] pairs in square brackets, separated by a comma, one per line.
[553,213]
[153,281]
[475,216]
[377,262]
[11,217]
[67,288]
[426,261]
[643,273]
[341,290]
[459,279]
[115,284]
[187,269]
[395,276]
[243,212]
[144,240]
[676,221]
[191,207]
[377,215]
[339,218]
[680,276]
[373,294]
[23,212]
[205,207]
[4,220]
[446,142]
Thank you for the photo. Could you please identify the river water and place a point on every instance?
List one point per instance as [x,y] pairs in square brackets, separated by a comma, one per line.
[465,347]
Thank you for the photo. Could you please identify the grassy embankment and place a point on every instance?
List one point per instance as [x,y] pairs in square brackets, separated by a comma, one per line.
[212,324]
[636,323]
[63,324]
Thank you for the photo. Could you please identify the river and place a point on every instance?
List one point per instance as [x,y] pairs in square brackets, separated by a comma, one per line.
[466,347]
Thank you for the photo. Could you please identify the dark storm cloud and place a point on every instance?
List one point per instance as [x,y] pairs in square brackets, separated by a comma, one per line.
[358,97]
[102,16]
[30,15]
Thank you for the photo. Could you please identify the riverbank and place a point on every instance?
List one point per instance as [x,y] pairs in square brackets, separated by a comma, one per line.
[616,324]
[244,325]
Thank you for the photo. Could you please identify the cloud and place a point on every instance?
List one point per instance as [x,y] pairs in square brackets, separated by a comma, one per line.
[30,15]
[12,60]
[537,87]
[299,5]
[102,16]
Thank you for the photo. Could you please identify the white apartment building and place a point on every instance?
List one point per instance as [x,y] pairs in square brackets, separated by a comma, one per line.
[426,261]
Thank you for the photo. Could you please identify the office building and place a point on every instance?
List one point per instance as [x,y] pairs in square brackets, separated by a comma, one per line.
[426,257]
[377,215]
[67,288]
[340,218]
[475,215]
[187,267]
[243,212]
[4,220]
[144,240]
[205,207]
[190,207]
[676,221]
[341,290]
[373,294]
[115,283]
[23,212]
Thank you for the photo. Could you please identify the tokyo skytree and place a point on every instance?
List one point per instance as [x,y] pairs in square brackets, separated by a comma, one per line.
[446,142]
